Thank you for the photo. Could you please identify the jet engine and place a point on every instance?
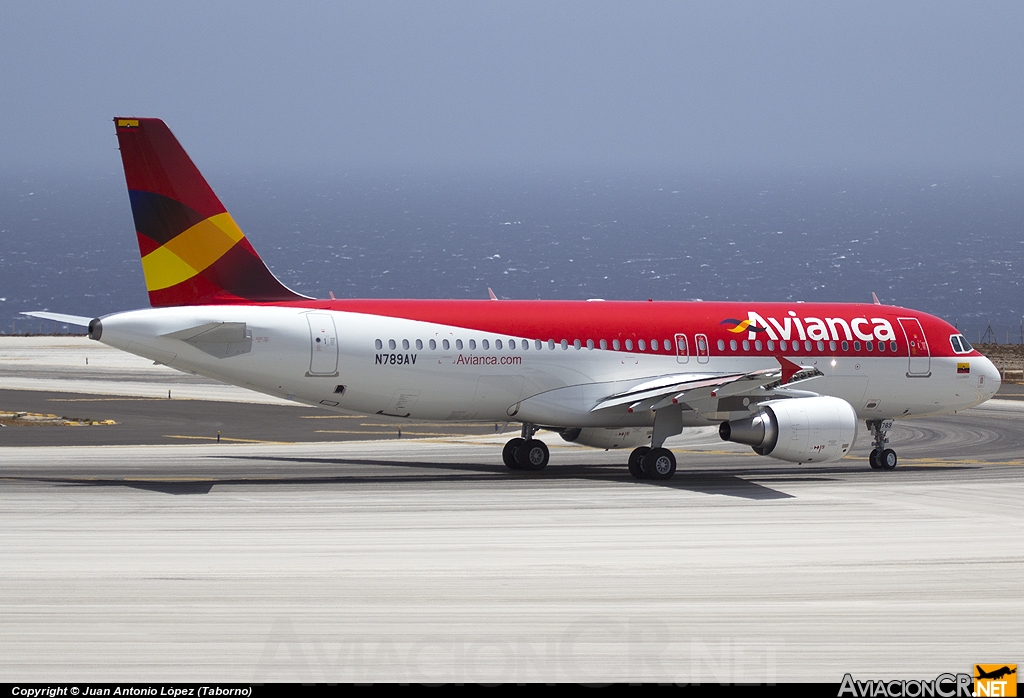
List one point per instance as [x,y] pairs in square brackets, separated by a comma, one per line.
[800,430]
[626,437]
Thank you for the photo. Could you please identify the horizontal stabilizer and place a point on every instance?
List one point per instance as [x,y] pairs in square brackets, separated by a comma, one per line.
[60,317]
[219,339]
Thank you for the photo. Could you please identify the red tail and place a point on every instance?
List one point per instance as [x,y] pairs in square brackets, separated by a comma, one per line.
[193,252]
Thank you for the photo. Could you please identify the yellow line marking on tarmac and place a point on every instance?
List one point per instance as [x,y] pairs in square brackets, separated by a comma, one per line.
[100,399]
[226,438]
[332,416]
[392,432]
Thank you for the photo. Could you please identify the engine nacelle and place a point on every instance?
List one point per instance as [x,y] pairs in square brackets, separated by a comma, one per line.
[800,430]
[596,437]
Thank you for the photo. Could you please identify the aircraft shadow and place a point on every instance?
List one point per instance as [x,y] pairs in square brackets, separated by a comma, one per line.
[733,482]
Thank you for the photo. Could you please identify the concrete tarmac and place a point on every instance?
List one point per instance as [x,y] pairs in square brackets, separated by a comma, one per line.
[427,560]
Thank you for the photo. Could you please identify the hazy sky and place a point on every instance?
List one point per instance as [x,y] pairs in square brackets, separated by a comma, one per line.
[454,84]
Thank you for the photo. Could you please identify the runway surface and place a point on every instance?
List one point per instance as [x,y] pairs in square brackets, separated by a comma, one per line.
[427,560]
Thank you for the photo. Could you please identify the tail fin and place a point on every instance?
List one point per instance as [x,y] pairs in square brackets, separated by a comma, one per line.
[193,252]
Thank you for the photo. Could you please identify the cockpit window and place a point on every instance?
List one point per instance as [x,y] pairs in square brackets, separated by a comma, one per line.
[960,344]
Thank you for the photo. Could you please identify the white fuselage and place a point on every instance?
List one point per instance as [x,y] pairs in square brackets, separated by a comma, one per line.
[372,364]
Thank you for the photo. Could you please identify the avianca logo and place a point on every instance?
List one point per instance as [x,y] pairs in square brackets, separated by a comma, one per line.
[813,328]
[739,326]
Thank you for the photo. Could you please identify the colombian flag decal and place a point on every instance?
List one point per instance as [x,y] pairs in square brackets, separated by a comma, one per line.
[963,367]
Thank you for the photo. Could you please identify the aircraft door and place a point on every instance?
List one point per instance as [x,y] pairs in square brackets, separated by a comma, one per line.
[703,351]
[323,340]
[682,349]
[920,354]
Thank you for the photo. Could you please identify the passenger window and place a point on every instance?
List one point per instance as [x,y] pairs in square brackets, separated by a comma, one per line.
[721,345]
[485,344]
[391,345]
[881,346]
[892,346]
[378,344]
[757,344]
[511,344]
[831,346]
[433,345]
[629,345]
[869,346]
[821,346]
[419,343]
[551,344]
[405,343]
[746,345]
[641,345]
[856,346]
[446,344]
[771,345]
[846,346]
[576,343]
[807,345]
[458,344]
[782,345]
[590,344]
[732,345]
[604,344]
[472,344]
[615,344]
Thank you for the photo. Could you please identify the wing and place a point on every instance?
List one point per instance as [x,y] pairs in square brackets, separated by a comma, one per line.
[665,391]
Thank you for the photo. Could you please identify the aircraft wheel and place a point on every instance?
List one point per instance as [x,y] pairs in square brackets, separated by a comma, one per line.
[636,460]
[873,460]
[887,459]
[532,455]
[659,464]
[508,454]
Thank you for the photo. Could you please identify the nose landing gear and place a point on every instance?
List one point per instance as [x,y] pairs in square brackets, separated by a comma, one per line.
[881,458]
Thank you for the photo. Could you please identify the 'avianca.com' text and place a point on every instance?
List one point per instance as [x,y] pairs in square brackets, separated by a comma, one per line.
[463,360]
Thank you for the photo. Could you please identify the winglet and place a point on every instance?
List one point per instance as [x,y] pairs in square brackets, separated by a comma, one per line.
[491,294]
[875,298]
[789,369]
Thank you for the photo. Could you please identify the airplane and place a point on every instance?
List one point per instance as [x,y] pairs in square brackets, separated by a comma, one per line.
[791,380]
[996,674]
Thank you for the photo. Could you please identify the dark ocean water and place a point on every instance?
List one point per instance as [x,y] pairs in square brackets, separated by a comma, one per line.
[952,245]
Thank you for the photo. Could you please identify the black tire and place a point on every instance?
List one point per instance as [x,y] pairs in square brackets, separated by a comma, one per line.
[887,459]
[659,464]
[873,460]
[636,461]
[508,454]
[532,455]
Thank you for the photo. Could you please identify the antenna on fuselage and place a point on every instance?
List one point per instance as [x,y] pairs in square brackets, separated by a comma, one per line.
[491,294]
[875,298]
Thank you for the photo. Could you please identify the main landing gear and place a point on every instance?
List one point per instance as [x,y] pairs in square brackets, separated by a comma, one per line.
[526,452]
[881,458]
[652,463]
[657,463]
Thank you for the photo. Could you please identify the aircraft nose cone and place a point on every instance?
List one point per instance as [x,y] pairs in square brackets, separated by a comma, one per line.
[988,379]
